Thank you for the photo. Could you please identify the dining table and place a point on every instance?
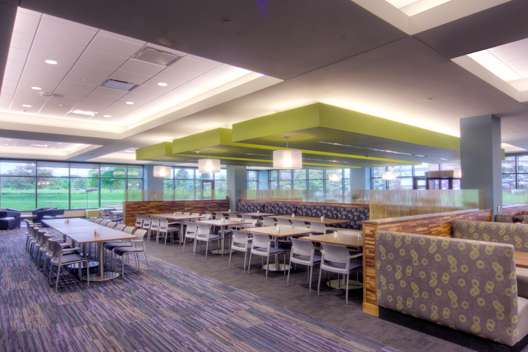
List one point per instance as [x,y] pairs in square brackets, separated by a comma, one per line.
[521,259]
[223,224]
[326,221]
[179,218]
[278,232]
[84,232]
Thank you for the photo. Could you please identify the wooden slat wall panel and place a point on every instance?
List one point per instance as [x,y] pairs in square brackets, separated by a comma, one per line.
[152,207]
[514,209]
[430,224]
[345,205]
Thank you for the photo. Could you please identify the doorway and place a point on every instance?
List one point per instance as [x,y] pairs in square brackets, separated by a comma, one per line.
[207,189]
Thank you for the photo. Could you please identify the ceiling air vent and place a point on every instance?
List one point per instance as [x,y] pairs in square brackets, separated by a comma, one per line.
[155,56]
[115,84]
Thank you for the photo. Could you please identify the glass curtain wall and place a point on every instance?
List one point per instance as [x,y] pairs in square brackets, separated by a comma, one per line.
[188,183]
[309,179]
[252,179]
[27,185]
[515,172]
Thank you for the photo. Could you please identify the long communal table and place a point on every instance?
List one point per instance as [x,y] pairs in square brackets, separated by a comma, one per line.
[326,221]
[82,232]
[177,218]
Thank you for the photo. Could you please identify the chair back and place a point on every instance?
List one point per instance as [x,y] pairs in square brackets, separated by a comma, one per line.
[163,224]
[203,229]
[146,222]
[104,222]
[56,250]
[92,219]
[208,212]
[336,254]
[300,247]
[208,216]
[267,221]
[298,223]
[111,224]
[139,220]
[195,214]
[140,235]
[186,213]
[262,241]
[283,222]
[247,217]
[219,216]
[121,227]
[240,238]
[318,227]
[191,229]
[98,220]
[129,229]
[178,213]
[154,224]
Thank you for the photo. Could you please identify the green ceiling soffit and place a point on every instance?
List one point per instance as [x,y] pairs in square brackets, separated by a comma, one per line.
[154,151]
[220,138]
[332,117]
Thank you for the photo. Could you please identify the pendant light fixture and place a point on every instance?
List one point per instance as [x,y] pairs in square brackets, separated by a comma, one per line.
[162,171]
[287,159]
[207,166]
[334,177]
[388,175]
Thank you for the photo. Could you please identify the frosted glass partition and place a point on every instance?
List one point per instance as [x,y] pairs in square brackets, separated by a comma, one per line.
[178,194]
[514,196]
[397,203]
[356,196]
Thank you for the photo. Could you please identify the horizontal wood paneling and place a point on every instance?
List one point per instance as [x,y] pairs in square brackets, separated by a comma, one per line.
[428,224]
[345,205]
[156,206]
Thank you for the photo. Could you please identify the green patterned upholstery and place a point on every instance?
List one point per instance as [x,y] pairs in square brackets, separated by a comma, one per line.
[508,218]
[517,235]
[463,284]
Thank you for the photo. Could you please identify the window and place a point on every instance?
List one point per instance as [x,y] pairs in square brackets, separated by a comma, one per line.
[405,174]
[186,183]
[252,179]
[26,185]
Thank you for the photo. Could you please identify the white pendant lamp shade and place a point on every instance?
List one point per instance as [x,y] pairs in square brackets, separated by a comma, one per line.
[388,175]
[162,171]
[207,166]
[334,177]
[457,173]
[287,159]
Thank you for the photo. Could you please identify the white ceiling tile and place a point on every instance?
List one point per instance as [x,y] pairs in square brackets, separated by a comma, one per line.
[518,65]
[84,87]
[175,76]
[122,37]
[35,78]
[141,67]
[100,58]
[226,73]
[204,60]
[8,83]
[164,48]
[106,95]
[58,106]
[152,90]
[191,90]
[93,74]
[11,75]
[7,91]
[129,77]
[17,54]
[136,98]
[26,21]
[487,60]
[65,31]
[91,105]
[114,46]
[36,61]
[194,66]
[13,65]
[21,40]
[513,53]
[58,49]
[204,82]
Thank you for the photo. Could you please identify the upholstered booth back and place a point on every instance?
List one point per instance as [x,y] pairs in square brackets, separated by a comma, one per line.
[515,234]
[508,218]
[463,284]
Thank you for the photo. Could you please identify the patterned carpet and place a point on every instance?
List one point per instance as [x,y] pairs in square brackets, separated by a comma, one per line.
[166,309]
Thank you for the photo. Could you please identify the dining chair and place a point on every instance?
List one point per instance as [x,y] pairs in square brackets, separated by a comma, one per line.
[92,219]
[98,220]
[139,221]
[111,224]
[303,252]
[191,229]
[219,216]
[66,249]
[133,250]
[300,224]
[130,229]
[60,259]
[146,223]
[268,221]
[120,227]
[204,235]
[336,259]
[283,222]
[165,229]
[154,227]
[320,228]
[104,222]
[240,242]
[261,246]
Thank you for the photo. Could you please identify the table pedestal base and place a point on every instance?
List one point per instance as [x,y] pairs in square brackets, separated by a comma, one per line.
[277,267]
[106,276]
[222,251]
[352,284]
[83,265]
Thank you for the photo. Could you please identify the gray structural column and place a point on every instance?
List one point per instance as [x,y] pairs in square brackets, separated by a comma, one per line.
[360,178]
[236,182]
[150,182]
[481,157]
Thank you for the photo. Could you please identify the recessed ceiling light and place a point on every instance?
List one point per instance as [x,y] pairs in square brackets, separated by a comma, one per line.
[84,113]
[130,102]
[36,88]
[162,84]
[59,143]
[107,115]
[26,105]
[50,62]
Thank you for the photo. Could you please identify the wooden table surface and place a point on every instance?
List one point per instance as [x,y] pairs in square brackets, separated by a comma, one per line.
[284,231]
[258,214]
[106,235]
[225,223]
[171,216]
[340,240]
[327,221]
[521,259]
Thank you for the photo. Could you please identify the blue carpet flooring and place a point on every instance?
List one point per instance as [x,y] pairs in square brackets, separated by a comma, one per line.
[165,309]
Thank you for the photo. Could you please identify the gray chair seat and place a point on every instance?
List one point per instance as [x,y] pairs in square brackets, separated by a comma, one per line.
[70,258]
[121,250]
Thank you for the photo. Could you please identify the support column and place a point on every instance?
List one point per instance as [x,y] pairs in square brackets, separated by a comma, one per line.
[481,157]
[236,182]
[263,179]
[360,178]
[151,183]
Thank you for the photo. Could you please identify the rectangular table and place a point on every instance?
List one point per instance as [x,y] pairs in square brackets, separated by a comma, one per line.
[178,218]
[222,225]
[283,233]
[521,259]
[259,214]
[85,234]
[339,240]
[326,221]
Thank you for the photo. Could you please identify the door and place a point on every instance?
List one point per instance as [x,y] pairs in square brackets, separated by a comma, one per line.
[207,189]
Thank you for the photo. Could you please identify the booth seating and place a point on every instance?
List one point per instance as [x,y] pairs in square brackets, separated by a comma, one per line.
[9,219]
[355,215]
[46,213]
[463,284]
[515,234]
[508,218]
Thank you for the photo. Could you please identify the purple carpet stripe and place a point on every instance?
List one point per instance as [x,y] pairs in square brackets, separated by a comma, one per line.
[165,309]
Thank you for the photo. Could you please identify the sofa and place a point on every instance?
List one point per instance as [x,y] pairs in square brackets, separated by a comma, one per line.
[508,218]
[46,213]
[355,215]
[462,284]
[9,219]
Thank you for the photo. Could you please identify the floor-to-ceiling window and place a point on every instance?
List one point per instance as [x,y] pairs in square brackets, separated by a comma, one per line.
[188,183]
[252,179]
[29,184]
[405,174]
[309,179]
[515,172]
